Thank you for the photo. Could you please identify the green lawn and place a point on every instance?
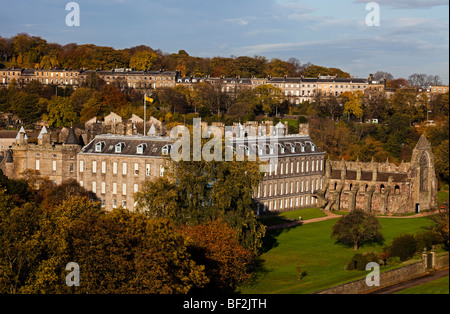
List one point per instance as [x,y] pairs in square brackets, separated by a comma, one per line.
[440,286]
[311,247]
[285,217]
[442,196]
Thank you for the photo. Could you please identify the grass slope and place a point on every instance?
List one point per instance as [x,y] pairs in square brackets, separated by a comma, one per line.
[439,286]
[311,247]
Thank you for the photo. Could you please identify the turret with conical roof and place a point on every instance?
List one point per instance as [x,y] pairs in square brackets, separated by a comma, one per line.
[71,138]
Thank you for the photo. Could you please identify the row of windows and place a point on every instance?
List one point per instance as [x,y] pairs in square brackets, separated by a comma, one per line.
[56,74]
[288,203]
[118,148]
[124,168]
[270,149]
[115,188]
[54,166]
[145,78]
[295,167]
[274,189]
[319,86]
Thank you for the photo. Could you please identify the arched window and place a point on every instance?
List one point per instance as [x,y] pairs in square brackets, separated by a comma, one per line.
[424,169]
[397,190]
[382,187]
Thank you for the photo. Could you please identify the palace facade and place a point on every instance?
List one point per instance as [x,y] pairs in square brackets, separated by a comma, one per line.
[296,175]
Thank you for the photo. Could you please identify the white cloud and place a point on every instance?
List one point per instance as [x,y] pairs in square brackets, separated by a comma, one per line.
[237,21]
[408,4]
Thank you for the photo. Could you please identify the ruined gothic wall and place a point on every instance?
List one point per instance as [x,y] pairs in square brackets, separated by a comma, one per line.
[379,197]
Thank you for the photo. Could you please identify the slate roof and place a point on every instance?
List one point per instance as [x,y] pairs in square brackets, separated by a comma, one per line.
[71,138]
[283,146]
[152,146]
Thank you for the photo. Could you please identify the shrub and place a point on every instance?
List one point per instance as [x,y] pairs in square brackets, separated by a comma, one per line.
[427,239]
[404,246]
[359,261]
[394,260]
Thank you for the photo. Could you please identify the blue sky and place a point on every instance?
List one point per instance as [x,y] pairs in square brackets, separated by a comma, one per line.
[413,36]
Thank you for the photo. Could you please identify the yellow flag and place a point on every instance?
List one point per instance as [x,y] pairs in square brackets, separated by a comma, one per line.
[149,99]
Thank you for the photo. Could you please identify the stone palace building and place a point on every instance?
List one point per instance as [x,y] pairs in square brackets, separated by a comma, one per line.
[114,167]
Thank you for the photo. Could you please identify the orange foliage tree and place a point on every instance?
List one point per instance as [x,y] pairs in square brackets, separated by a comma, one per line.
[215,245]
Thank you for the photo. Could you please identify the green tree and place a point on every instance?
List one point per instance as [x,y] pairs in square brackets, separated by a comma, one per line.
[60,112]
[357,228]
[198,191]
[158,199]
[79,98]
[268,98]
[441,154]
[27,106]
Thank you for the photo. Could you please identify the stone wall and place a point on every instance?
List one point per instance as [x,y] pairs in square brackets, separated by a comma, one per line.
[389,278]
[442,261]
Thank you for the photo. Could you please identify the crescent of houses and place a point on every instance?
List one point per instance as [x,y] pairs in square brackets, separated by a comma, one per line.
[118,159]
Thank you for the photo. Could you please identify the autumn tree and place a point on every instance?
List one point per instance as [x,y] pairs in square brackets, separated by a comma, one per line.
[280,68]
[143,60]
[117,252]
[144,255]
[20,247]
[214,245]
[353,104]
[316,70]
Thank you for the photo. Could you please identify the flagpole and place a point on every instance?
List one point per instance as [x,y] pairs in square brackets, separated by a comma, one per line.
[145,109]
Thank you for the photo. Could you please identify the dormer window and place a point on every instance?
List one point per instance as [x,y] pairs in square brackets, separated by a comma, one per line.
[166,150]
[119,147]
[313,147]
[140,149]
[99,146]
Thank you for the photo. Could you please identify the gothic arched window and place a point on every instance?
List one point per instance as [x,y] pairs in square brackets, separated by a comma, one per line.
[424,169]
